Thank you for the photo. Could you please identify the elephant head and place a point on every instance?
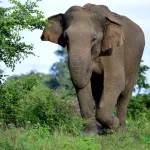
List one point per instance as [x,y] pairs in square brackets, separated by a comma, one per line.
[86,31]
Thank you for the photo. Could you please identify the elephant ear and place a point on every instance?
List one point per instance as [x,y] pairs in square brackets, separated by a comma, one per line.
[113,34]
[55,30]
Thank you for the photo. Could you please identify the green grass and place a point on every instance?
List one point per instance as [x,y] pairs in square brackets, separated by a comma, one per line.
[136,137]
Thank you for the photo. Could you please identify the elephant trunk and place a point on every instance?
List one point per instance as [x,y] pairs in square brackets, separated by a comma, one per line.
[80,69]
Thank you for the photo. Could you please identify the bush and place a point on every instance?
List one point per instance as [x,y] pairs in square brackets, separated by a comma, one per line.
[139,106]
[24,102]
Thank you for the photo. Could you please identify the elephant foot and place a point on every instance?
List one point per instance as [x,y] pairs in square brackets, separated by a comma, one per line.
[115,124]
[111,128]
[93,130]
[90,130]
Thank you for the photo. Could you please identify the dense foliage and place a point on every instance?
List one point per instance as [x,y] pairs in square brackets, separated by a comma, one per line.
[139,106]
[25,101]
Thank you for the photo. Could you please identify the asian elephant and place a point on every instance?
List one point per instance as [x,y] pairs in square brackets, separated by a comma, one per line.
[104,54]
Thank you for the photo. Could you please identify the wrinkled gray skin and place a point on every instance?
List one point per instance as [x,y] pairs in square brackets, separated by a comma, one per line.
[104,54]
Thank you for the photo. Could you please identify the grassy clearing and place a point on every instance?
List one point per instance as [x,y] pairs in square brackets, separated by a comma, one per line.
[136,137]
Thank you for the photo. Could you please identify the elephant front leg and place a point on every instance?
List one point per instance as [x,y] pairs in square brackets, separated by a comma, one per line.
[104,112]
[86,104]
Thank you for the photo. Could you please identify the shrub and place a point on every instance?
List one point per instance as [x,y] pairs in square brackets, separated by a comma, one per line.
[13,92]
[24,102]
[139,106]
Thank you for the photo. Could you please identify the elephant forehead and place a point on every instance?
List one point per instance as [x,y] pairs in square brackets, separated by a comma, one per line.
[74,9]
[83,15]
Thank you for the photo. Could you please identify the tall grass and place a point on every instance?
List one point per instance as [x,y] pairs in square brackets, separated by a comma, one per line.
[135,137]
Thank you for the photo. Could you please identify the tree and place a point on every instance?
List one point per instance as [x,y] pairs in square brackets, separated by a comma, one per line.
[13,20]
[60,70]
[141,82]
[60,76]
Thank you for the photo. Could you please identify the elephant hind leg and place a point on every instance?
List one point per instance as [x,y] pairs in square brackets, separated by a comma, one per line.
[122,102]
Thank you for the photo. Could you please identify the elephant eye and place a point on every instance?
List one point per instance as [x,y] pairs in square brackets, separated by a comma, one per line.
[94,39]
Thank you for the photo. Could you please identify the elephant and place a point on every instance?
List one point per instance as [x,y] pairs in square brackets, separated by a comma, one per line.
[104,55]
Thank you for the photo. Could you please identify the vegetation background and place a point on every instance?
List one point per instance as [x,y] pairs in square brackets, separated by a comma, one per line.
[39,111]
